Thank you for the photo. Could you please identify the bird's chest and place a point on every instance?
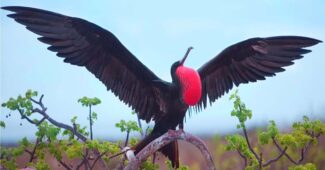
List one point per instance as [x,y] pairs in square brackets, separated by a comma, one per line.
[171,103]
[190,85]
[173,115]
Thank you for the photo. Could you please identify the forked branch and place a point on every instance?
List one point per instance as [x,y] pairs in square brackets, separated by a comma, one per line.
[165,139]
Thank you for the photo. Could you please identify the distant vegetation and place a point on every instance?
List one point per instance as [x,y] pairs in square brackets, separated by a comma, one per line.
[64,146]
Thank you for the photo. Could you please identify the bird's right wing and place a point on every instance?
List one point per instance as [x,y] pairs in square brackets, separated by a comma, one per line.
[83,43]
[249,61]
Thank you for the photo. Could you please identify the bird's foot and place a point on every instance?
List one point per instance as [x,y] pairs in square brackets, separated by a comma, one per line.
[129,153]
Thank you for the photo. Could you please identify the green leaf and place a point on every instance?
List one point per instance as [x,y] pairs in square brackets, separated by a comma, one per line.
[86,101]
[95,101]
[94,116]
[272,130]
[307,166]
[239,110]
[133,141]
[287,140]
[264,138]
[2,124]
[4,105]
[24,142]
[75,150]
[74,119]
[148,165]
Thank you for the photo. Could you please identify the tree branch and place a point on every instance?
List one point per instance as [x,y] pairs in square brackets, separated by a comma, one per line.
[32,155]
[58,124]
[127,138]
[165,139]
[42,111]
[25,117]
[276,158]
[64,165]
[247,141]
[249,145]
[281,150]
[90,123]
[140,126]
[84,161]
[97,158]
[244,157]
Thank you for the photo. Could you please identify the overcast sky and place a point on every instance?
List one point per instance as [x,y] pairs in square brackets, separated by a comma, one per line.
[159,34]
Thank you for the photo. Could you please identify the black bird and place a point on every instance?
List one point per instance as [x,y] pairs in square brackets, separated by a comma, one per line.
[83,43]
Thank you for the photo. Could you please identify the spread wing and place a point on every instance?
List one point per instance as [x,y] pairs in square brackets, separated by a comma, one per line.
[249,61]
[83,43]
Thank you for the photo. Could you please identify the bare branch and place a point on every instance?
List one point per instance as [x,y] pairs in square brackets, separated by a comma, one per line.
[28,151]
[84,161]
[23,116]
[64,165]
[42,111]
[303,151]
[40,122]
[281,150]
[97,158]
[140,126]
[39,102]
[118,154]
[249,145]
[32,155]
[260,161]
[127,138]
[90,123]
[276,158]
[244,157]
[165,139]
[61,125]
[247,140]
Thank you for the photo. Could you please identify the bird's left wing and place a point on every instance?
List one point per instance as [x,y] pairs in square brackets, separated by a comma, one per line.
[249,61]
[83,43]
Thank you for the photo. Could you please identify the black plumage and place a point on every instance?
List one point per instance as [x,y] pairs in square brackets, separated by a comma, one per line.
[248,61]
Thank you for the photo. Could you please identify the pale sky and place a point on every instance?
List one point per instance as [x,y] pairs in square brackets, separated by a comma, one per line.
[159,34]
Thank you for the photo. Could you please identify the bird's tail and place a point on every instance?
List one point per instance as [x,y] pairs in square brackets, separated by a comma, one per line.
[170,150]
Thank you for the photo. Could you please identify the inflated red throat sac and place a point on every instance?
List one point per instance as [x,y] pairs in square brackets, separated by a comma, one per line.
[190,83]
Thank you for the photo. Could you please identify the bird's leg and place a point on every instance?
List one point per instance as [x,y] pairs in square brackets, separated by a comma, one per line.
[181,125]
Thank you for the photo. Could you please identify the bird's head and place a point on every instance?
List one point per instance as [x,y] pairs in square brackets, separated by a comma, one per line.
[188,79]
[178,64]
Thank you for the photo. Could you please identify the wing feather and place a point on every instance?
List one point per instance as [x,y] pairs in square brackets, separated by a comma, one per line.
[248,61]
[83,43]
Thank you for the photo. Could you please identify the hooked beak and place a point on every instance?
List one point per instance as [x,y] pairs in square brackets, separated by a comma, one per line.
[185,56]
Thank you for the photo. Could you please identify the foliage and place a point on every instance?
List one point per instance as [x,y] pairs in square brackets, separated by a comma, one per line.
[308,166]
[65,142]
[2,124]
[85,101]
[89,102]
[74,148]
[48,134]
[170,166]
[22,103]
[303,135]
[128,126]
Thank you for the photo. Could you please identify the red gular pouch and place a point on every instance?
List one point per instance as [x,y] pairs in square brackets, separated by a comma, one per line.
[190,82]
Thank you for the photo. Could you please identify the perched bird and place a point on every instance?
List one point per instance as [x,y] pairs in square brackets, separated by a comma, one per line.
[83,43]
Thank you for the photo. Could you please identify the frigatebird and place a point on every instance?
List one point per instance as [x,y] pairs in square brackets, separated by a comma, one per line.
[83,43]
